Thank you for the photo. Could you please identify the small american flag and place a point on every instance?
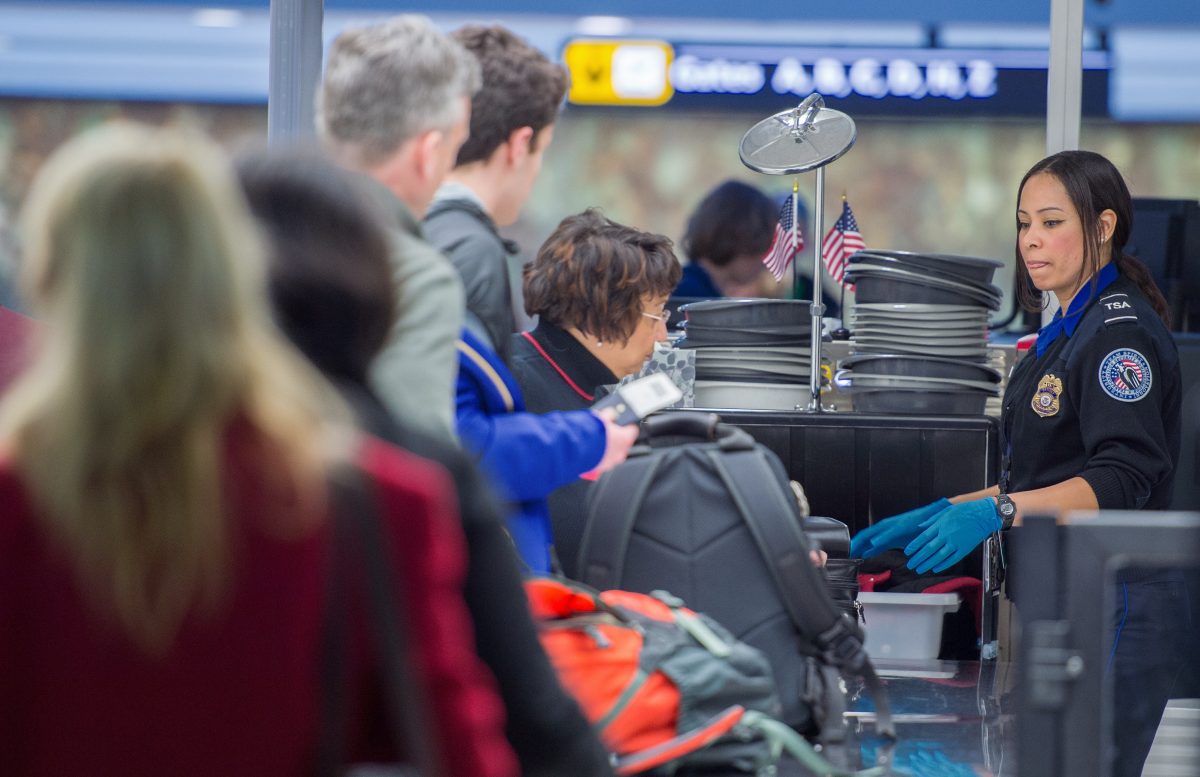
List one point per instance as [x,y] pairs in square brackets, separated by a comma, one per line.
[840,243]
[785,246]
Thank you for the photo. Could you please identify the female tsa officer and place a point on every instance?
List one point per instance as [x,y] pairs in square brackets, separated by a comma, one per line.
[1090,421]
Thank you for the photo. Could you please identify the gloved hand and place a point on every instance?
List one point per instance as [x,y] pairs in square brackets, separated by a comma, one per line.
[894,532]
[952,534]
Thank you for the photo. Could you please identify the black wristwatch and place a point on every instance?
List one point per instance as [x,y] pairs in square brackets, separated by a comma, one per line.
[1006,508]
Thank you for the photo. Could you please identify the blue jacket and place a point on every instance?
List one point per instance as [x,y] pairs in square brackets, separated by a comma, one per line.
[527,455]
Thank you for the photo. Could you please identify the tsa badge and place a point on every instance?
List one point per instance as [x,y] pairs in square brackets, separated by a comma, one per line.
[1125,375]
[1045,399]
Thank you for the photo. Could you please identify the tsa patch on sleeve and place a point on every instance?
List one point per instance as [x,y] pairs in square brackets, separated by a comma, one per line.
[1125,375]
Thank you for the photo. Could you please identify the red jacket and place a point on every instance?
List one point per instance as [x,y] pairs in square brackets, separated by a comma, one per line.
[15,332]
[236,694]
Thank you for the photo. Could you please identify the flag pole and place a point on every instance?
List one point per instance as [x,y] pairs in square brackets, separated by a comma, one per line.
[818,310]
[842,283]
[795,236]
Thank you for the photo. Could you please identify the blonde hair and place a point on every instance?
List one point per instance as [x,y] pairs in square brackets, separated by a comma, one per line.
[148,273]
[389,82]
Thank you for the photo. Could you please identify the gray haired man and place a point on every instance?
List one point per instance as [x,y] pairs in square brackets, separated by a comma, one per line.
[395,105]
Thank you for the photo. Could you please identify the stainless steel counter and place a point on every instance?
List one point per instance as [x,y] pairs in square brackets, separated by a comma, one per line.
[953,718]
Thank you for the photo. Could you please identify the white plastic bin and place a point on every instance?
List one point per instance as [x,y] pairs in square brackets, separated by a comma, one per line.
[750,396]
[905,625]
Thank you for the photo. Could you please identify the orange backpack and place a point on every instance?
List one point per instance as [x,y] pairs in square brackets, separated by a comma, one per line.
[664,685]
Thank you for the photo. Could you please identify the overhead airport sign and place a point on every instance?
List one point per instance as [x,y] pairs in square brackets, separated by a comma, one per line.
[627,72]
[928,81]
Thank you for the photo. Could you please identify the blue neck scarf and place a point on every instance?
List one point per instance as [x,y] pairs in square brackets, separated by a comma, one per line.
[1065,324]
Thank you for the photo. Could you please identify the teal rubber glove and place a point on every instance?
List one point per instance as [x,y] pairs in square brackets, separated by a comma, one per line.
[894,532]
[952,534]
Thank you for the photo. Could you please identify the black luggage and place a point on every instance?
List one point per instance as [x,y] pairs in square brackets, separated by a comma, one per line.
[701,510]
[841,571]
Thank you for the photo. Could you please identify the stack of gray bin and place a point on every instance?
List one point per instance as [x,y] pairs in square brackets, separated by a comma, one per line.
[920,333]
[750,353]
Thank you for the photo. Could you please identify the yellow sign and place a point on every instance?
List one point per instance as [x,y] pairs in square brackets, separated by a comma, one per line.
[619,72]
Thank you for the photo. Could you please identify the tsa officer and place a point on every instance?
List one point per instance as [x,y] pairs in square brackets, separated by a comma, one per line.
[1089,421]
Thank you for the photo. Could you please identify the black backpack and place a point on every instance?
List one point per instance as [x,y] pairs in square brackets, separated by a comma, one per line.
[702,510]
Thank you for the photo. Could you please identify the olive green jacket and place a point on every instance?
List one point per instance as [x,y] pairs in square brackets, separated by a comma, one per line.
[415,372]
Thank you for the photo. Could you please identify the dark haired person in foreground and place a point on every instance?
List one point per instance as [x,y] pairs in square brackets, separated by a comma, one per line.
[329,284]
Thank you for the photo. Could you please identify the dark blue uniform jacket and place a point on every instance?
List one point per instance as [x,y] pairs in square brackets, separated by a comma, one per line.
[1102,402]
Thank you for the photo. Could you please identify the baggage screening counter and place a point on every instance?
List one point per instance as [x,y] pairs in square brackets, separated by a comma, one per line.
[954,717]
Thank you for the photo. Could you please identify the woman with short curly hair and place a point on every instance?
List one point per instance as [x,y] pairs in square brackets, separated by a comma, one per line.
[599,289]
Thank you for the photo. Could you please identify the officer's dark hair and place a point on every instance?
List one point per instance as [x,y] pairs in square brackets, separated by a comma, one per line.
[1094,185]
[732,220]
[521,88]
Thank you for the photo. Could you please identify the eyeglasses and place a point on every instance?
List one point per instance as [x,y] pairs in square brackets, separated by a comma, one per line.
[662,317]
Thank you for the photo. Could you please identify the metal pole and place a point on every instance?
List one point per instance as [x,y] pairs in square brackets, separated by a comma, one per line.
[1064,89]
[294,70]
[1064,81]
[818,310]
[795,237]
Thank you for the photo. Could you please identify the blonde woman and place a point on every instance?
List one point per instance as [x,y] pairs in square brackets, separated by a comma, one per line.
[164,526]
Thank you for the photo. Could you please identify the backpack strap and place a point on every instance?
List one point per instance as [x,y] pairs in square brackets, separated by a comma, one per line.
[833,729]
[781,543]
[782,738]
[640,677]
[704,427]
[685,423]
[650,659]
[698,738]
[785,552]
[615,501]
[360,545]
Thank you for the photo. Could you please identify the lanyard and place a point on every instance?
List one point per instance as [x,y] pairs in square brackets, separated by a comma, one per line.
[537,346]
